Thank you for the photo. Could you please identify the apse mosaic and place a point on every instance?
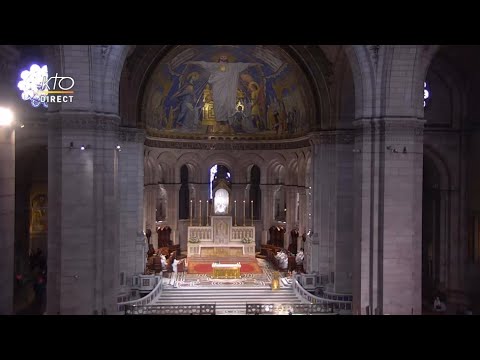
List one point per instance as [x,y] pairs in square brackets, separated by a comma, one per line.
[247,90]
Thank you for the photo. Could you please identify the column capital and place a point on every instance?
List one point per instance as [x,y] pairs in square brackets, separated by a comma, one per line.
[127,134]
[77,120]
[332,137]
[388,124]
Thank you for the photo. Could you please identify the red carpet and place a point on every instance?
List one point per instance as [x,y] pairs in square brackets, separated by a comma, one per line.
[199,267]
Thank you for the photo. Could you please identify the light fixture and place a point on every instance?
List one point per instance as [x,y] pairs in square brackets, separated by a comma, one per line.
[71,145]
[82,147]
[6,117]
[22,126]
[118,147]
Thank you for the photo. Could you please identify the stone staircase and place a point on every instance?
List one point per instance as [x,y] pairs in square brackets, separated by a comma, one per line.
[229,300]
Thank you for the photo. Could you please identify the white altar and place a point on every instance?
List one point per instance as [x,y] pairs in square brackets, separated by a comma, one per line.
[221,238]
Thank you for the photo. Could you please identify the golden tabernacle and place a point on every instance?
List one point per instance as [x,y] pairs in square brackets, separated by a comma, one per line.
[226,271]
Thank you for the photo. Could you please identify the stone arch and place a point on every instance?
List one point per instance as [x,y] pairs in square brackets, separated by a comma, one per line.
[140,64]
[163,172]
[440,164]
[220,159]
[245,164]
[192,160]
[362,66]
[450,99]
[302,163]
[149,170]
[112,58]
[344,110]
[273,167]
[292,170]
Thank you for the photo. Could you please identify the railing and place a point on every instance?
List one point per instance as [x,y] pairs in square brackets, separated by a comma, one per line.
[121,307]
[335,304]
[203,309]
[291,309]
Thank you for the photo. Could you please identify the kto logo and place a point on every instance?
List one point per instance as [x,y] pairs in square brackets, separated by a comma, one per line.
[40,89]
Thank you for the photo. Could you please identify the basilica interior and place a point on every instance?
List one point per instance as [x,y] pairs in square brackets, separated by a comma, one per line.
[313,178]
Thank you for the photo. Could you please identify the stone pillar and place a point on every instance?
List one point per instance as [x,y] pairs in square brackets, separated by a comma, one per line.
[150,196]
[343,246]
[131,183]
[83,239]
[291,195]
[324,202]
[172,210]
[7,218]
[303,216]
[388,216]
[267,210]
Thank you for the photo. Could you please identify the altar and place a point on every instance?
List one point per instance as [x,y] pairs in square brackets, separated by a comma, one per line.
[226,271]
[221,239]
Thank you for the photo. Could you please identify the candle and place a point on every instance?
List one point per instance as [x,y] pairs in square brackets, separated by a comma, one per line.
[191,210]
[243,212]
[200,216]
[207,212]
[252,212]
[235,212]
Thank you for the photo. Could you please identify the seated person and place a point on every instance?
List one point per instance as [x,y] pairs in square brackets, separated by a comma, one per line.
[163,260]
[282,260]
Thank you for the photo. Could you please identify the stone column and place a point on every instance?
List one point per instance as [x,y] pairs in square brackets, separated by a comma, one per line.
[324,203]
[149,200]
[131,183]
[7,218]
[388,216]
[172,210]
[267,210]
[291,195]
[343,246]
[83,236]
[303,216]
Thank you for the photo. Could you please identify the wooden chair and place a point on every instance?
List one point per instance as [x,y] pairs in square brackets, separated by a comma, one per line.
[157,264]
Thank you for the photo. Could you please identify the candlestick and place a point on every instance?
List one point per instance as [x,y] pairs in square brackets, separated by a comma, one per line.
[191,210]
[243,212]
[200,217]
[252,212]
[235,212]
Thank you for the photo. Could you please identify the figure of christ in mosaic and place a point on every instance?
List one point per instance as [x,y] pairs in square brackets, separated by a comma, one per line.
[224,78]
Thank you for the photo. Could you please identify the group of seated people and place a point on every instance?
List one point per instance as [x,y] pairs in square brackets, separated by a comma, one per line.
[282,259]
[163,260]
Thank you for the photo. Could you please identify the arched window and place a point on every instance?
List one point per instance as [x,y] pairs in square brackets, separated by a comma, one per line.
[426,94]
[184,194]
[217,173]
[220,189]
[255,192]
